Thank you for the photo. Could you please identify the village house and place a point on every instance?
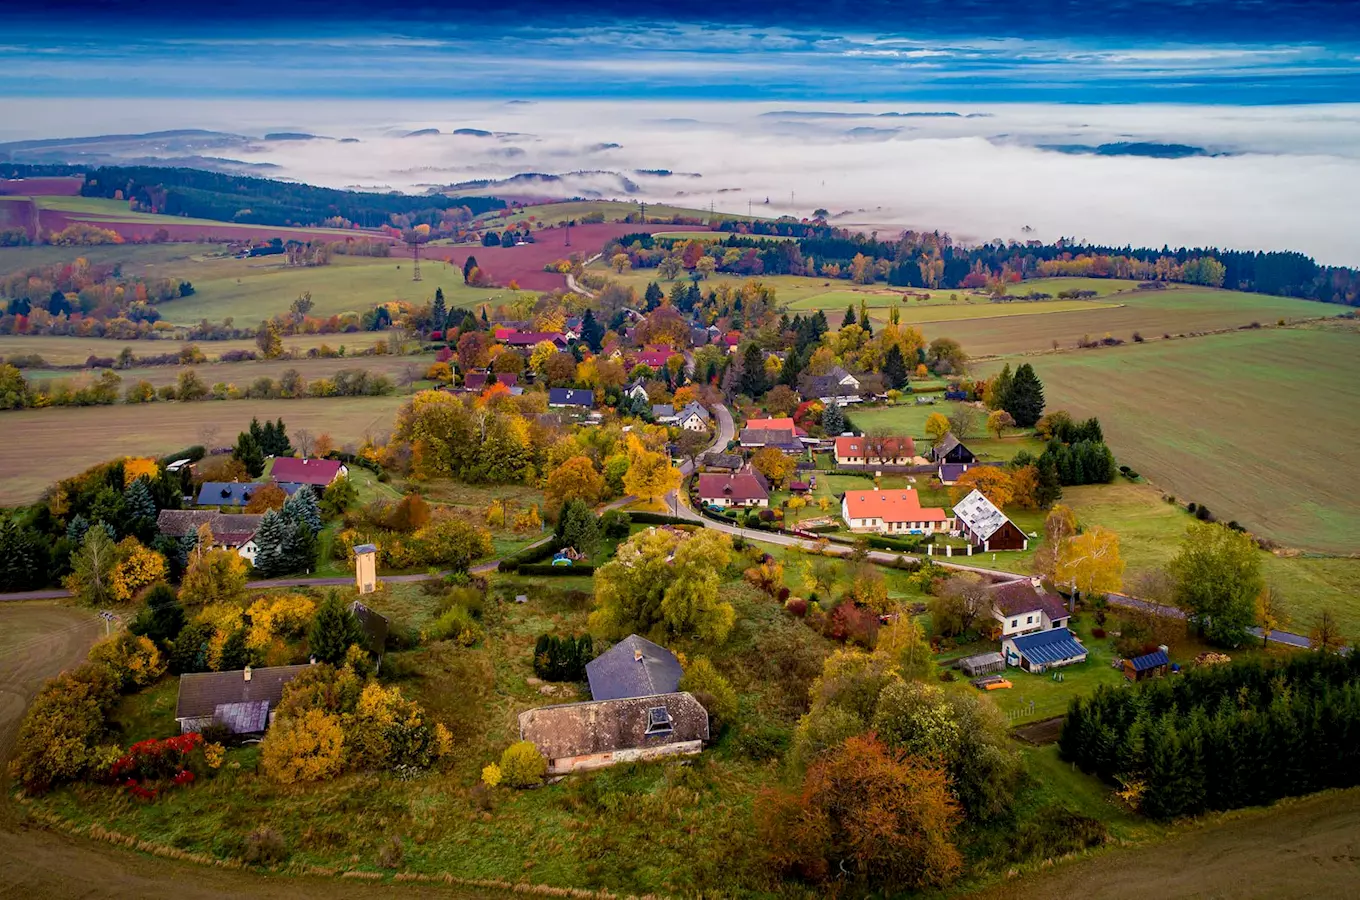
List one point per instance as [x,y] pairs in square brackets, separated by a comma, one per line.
[949,473]
[1025,605]
[577,737]
[693,417]
[1040,651]
[780,433]
[230,532]
[242,701]
[530,339]
[234,493]
[568,398]
[951,450]
[891,512]
[725,462]
[663,413]
[475,381]
[987,527]
[875,452]
[744,488]
[318,473]
[837,386]
[636,390]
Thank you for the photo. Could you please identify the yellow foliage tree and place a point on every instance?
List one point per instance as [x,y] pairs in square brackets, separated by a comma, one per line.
[575,479]
[135,467]
[528,520]
[284,617]
[937,426]
[1090,562]
[774,465]
[214,576]
[441,372]
[137,567]
[650,474]
[538,359]
[307,747]
[132,660]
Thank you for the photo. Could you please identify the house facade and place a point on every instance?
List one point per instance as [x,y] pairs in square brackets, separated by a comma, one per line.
[891,512]
[1043,650]
[1026,606]
[875,452]
[693,417]
[740,489]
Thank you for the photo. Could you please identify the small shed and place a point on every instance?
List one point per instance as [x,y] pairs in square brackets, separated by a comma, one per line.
[1149,665]
[982,664]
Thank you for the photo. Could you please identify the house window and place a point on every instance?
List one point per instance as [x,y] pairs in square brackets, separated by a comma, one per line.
[1015,623]
[659,720]
[1029,620]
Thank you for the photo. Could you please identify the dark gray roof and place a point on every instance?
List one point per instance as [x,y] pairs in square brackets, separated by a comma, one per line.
[233,493]
[634,667]
[723,460]
[374,625]
[570,397]
[770,437]
[232,530]
[581,729]
[951,471]
[200,694]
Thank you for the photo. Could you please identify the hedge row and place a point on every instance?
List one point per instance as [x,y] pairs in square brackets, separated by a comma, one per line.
[193,454]
[577,570]
[529,555]
[651,518]
[879,542]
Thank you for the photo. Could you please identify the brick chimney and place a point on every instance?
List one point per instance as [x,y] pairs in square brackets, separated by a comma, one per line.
[246,673]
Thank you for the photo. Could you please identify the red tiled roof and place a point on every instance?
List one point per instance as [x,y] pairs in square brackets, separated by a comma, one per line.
[891,506]
[892,447]
[305,471]
[781,424]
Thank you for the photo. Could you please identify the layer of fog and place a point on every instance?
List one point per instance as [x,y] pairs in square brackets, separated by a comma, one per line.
[1289,177]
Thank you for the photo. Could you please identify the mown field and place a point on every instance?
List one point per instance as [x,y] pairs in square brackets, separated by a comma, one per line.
[909,419]
[134,257]
[1260,426]
[402,370]
[43,446]
[73,351]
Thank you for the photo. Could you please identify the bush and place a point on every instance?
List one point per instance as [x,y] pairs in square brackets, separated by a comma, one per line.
[193,454]
[455,624]
[391,854]
[712,691]
[61,737]
[762,741]
[615,523]
[264,847]
[528,556]
[522,765]
[797,606]
[651,518]
[1097,632]
[879,542]
[132,661]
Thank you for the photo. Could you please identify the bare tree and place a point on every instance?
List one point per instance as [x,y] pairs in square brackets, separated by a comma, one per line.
[207,435]
[1326,635]
[304,441]
[964,420]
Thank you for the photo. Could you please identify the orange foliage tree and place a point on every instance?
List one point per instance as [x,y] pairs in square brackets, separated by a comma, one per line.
[994,483]
[265,498]
[889,817]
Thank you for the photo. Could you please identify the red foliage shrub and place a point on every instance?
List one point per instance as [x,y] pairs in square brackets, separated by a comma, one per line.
[852,623]
[156,761]
[1097,632]
[798,606]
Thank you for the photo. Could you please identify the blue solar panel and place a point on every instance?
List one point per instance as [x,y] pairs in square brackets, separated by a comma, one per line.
[1044,647]
[1149,661]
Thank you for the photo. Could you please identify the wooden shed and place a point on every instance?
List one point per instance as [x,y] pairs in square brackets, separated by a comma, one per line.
[1149,665]
[982,664]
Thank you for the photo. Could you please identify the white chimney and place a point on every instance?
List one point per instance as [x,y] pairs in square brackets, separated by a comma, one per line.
[247,673]
[637,655]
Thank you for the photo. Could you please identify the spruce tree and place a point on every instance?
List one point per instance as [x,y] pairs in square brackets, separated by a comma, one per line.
[591,331]
[851,317]
[1001,388]
[1025,399]
[439,312]
[139,510]
[753,382]
[864,318]
[653,296]
[282,446]
[577,526]
[833,420]
[895,368]
[271,541]
[248,452]
[819,327]
[1049,488]
[334,630]
[24,557]
[302,507]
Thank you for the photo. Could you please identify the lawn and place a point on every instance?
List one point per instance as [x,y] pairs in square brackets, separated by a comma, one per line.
[908,418]
[134,257]
[46,445]
[249,290]
[1221,421]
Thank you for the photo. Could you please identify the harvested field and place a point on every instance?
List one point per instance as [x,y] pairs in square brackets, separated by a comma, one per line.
[45,445]
[60,350]
[1297,848]
[401,369]
[136,259]
[1257,425]
[57,186]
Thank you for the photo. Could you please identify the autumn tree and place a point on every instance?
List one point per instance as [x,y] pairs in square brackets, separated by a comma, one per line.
[1090,563]
[963,421]
[775,465]
[884,817]
[574,479]
[958,604]
[993,482]
[1271,611]
[665,584]
[1325,636]
[1059,526]
[998,421]
[650,474]
[781,400]
[266,497]
[713,691]
[937,426]
[92,567]
[1218,578]
[306,747]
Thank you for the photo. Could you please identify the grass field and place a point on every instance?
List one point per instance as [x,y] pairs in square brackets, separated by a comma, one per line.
[73,351]
[45,445]
[133,256]
[403,370]
[1258,425]
[909,419]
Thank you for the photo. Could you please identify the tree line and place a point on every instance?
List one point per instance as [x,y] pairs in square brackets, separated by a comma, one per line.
[1223,737]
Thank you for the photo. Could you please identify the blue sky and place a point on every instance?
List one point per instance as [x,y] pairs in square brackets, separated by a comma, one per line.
[1219,51]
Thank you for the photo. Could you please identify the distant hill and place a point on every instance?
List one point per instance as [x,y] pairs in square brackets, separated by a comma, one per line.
[1132,148]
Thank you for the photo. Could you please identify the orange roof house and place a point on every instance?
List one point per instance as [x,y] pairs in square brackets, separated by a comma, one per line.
[864,451]
[892,512]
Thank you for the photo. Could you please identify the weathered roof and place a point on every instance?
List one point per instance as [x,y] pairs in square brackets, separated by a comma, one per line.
[570,397]
[982,659]
[1022,596]
[634,667]
[769,437]
[950,472]
[1044,647]
[581,729]
[980,515]
[231,530]
[243,718]
[722,460]
[201,693]
[289,470]
[475,381]
[948,443]
[232,493]
[891,506]
[737,487]
[663,411]
[1149,661]
[374,625]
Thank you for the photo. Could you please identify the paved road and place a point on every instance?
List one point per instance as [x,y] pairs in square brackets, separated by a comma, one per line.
[574,285]
[1285,638]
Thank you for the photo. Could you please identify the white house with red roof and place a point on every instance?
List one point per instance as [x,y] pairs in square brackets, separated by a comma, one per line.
[866,451]
[744,488]
[316,472]
[892,512]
